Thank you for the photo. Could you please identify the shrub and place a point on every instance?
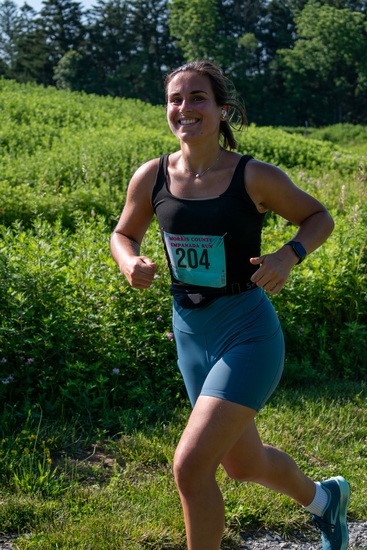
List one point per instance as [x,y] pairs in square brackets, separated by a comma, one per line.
[74,336]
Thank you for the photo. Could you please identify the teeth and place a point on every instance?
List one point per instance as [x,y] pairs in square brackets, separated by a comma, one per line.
[187,121]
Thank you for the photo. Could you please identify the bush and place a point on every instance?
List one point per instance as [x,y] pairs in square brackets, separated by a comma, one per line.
[323,305]
[74,336]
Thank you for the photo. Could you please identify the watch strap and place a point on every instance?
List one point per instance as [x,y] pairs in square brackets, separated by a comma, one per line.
[298,249]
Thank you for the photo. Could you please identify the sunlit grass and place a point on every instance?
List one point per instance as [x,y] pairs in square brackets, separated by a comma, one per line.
[122,494]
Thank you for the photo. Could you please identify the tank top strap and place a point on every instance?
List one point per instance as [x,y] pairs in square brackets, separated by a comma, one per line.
[236,184]
[161,177]
[164,161]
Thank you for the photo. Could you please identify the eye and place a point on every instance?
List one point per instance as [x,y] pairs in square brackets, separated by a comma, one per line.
[176,100]
[198,98]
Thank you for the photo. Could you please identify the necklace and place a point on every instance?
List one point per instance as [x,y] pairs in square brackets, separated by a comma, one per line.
[200,175]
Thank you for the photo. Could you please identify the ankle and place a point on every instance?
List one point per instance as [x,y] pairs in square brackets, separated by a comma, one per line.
[319,502]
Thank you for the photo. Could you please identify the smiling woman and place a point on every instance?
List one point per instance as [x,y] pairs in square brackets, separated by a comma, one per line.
[231,108]
[193,113]
[210,204]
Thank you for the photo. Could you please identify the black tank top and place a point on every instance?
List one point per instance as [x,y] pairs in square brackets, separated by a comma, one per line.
[191,229]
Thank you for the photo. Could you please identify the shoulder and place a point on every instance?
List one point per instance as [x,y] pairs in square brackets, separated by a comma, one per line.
[265,180]
[272,189]
[148,170]
[143,179]
[260,171]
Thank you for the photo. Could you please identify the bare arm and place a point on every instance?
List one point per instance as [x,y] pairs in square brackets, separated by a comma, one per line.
[271,189]
[132,226]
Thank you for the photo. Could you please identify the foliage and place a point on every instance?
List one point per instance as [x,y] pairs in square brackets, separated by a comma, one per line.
[27,464]
[186,25]
[326,69]
[341,134]
[323,306]
[292,61]
[84,356]
[278,147]
[63,152]
[73,336]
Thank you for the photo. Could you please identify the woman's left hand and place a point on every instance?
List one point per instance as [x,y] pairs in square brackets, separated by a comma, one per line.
[274,269]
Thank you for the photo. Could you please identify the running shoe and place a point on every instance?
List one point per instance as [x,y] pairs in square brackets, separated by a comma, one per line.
[333,523]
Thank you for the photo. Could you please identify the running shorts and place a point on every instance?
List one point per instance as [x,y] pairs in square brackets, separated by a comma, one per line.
[232,349]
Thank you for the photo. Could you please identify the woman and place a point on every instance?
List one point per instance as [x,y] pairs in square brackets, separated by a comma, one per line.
[210,203]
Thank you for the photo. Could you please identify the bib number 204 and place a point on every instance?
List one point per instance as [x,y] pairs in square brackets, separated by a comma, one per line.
[190,257]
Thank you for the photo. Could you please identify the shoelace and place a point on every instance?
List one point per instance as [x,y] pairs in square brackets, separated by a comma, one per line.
[319,523]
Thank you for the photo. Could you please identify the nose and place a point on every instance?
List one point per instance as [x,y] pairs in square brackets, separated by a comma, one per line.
[185,106]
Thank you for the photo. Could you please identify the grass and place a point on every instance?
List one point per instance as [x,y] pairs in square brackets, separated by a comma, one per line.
[117,491]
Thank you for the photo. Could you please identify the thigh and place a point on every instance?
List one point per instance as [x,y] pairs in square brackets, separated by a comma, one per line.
[247,373]
[192,362]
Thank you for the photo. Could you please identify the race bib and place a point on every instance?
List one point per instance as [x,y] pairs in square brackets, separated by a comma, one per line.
[197,259]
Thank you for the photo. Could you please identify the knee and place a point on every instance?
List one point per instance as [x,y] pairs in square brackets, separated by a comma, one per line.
[184,470]
[189,471]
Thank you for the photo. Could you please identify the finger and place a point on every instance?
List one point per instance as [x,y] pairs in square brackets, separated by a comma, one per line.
[147,266]
[147,261]
[257,261]
[142,277]
[264,283]
[276,288]
[270,287]
[142,281]
[260,277]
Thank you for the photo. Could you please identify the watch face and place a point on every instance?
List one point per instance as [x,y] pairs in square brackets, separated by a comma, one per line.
[299,250]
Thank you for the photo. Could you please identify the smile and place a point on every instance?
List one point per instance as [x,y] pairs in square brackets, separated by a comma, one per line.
[187,121]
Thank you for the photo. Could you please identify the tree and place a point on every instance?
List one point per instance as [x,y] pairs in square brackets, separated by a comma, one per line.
[41,40]
[61,28]
[193,24]
[9,19]
[151,51]
[278,29]
[31,54]
[353,5]
[107,46]
[128,48]
[326,71]
[67,71]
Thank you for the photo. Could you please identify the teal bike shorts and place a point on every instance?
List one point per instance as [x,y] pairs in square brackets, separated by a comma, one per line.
[232,349]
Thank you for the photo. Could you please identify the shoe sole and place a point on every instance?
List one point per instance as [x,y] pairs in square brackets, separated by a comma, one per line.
[344,501]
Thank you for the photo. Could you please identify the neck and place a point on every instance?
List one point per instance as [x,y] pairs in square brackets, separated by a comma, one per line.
[197,164]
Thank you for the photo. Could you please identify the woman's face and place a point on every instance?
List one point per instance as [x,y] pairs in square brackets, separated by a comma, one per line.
[192,111]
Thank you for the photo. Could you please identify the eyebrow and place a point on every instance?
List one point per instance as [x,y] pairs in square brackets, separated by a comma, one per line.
[192,92]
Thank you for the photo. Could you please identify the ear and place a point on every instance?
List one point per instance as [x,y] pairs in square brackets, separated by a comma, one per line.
[224,112]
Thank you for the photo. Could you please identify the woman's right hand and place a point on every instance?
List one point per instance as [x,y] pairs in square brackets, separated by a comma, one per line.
[139,271]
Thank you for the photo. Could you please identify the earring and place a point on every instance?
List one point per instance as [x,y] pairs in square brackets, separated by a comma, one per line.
[224,114]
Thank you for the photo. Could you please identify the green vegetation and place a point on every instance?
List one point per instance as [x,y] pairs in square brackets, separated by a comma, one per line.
[118,492]
[291,61]
[93,404]
[350,137]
